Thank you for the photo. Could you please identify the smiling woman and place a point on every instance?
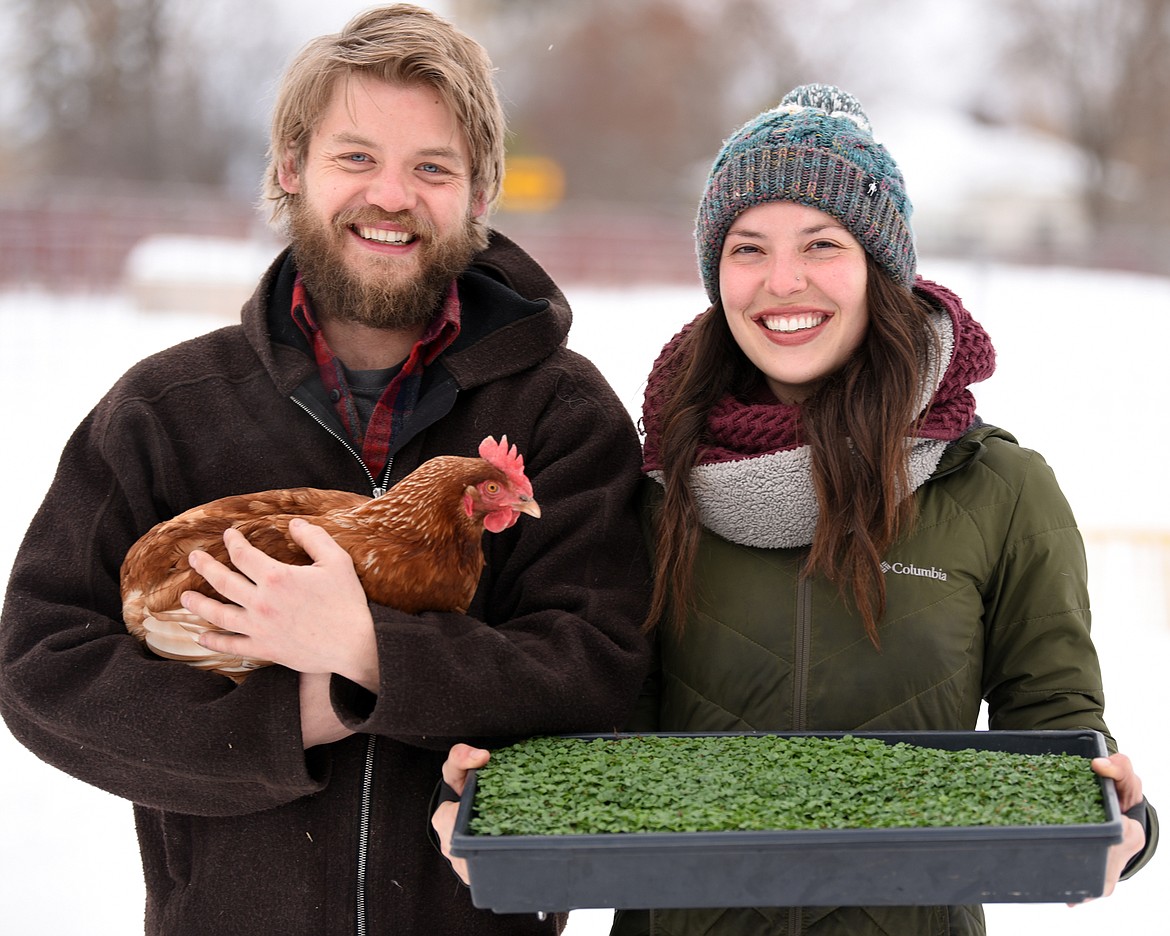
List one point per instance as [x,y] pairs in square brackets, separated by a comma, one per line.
[809,428]
[810,435]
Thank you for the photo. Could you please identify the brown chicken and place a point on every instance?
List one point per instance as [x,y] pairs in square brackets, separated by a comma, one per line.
[418,547]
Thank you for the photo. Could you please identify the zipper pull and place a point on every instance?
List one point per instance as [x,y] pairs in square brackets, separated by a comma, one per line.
[380,489]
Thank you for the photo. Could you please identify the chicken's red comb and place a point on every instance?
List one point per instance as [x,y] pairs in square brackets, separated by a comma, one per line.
[508,460]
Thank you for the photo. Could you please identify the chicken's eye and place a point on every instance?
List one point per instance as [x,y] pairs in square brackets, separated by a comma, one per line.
[492,487]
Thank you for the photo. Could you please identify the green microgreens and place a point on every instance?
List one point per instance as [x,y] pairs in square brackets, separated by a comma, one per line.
[565,786]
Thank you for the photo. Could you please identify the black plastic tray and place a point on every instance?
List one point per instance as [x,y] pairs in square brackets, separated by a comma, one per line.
[830,867]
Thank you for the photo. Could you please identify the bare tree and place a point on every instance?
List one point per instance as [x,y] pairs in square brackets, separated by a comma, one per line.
[92,70]
[631,97]
[1097,72]
[133,90]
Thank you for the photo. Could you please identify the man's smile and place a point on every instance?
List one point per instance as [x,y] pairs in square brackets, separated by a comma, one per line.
[383,236]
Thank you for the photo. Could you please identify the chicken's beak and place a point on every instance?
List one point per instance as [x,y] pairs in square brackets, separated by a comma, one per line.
[528,506]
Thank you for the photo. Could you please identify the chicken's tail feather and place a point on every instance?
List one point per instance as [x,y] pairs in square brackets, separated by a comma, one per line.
[173,634]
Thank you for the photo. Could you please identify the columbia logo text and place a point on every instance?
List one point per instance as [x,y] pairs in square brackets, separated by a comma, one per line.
[905,568]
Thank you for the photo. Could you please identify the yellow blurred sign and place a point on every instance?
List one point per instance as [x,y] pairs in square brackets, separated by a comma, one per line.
[532,183]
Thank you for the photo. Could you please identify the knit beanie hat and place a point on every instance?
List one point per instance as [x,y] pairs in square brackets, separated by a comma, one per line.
[815,148]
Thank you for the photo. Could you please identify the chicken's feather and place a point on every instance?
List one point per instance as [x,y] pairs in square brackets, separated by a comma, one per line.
[417,548]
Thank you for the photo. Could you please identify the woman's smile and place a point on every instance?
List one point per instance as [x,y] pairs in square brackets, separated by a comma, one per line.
[792,324]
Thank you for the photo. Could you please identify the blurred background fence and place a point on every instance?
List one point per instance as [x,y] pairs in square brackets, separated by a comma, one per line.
[69,239]
[1029,130]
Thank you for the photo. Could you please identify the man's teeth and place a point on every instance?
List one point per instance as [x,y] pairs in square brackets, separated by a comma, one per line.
[385,237]
[792,323]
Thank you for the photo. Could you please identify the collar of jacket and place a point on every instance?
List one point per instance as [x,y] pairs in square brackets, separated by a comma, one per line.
[513,317]
[969,448]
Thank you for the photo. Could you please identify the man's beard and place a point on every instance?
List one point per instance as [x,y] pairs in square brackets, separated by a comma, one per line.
[380,297]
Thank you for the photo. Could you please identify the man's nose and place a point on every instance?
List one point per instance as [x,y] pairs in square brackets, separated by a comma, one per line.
[391,190]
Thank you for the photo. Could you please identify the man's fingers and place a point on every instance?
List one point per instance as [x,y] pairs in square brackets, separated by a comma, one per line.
[227,581]
[317,544]
[217,613]
[224,641]
[460,759]
[443,822]
[250,561]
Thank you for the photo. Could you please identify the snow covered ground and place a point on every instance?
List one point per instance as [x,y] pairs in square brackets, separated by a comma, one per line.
[1082,378]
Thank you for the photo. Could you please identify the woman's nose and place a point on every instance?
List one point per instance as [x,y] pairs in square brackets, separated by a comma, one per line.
[786,277]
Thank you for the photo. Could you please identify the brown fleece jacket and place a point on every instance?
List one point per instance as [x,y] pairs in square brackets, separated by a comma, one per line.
[241,831]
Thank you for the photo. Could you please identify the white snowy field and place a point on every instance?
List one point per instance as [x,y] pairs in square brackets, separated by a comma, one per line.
[1082,378]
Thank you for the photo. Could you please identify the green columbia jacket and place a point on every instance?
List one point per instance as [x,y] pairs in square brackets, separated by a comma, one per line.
[986,599]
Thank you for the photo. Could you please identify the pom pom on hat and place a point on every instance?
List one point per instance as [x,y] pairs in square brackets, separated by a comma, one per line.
[816,147]
[833,101]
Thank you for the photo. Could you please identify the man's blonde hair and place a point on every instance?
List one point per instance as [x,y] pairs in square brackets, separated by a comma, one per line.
[402,45]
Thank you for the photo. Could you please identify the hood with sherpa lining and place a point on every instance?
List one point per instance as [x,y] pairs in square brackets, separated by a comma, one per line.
[753,480]
[514,317]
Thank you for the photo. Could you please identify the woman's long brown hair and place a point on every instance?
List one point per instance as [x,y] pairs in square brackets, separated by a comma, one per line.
[856,424]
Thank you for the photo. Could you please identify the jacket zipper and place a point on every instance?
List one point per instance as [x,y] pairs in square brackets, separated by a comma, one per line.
[800,668]
[363,846]
[803,650]
[378,489]
[800,692]
[364,835]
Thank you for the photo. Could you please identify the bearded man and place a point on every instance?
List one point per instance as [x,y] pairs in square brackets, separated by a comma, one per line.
[397,326]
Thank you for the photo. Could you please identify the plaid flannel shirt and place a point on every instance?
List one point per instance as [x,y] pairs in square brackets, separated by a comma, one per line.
[401,395]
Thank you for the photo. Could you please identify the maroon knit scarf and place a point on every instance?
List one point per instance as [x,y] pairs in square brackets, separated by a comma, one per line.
[739,429]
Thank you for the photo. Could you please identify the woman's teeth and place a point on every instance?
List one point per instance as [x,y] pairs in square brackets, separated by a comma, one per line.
[791,323]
